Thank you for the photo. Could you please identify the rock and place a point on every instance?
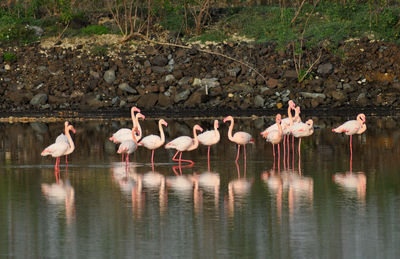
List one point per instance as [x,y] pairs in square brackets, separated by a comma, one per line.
[109,76]
[158,69]
[362,99]
[36,29]
[148,100]
[184,81]
[159,60]
[396,86]
[93,101]
[76,93]
[258,101]
[290,75]
[38,99]
[348,88]
[312,95]
[122,103]
[196,82]
[169,78]
[7,67]
[126,88]
[182,96]
[195,99]
[339,96]
[272,83]
[325,69]
[94,74]
[164,100]
[234,72]
[210,83]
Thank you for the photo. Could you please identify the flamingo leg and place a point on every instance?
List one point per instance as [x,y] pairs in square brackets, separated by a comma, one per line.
[66,160]
[351,147]
[299,149]
[152,157]
[284,152]
[174,157]
[288,150]
[279,158]
[238,151]
[244,153]
[273,149]
[293,148]
[180,159]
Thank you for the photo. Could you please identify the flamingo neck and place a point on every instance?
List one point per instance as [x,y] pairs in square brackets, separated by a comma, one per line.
[195,139]
[162,135]
[137,124]
[70,141]
[280,126]
[230,130]
[297,116]
[134,136]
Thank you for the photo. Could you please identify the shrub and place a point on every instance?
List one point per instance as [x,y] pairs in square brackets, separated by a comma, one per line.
[99,50]
[17,32]
[95,30]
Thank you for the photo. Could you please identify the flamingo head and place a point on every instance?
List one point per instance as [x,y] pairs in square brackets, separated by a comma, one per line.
[216,124]
[297,110]
[163,122]
[197,127]
[310,123]
[66,123]
[140,116]
[135,109]
[228,118]
[264,133]
[361,117]
[71,128]
[292,105]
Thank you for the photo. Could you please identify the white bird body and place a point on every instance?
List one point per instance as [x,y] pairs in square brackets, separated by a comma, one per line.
[64,139]
[56,149]
[127,147]
[182,143]
[126,133]
[275,137]
[210,137]
[301,129]
[153,141]
[352,127]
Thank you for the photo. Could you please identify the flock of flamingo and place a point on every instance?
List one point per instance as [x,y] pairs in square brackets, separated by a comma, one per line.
[130,139]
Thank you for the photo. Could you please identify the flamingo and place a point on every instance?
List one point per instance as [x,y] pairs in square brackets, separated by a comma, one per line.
[125,133]
[63,138]
[301,129]
[153,142]
[352,127]
[209,138]
[185,143]
[240,137]
[128,146]
[61,147]
[275,136]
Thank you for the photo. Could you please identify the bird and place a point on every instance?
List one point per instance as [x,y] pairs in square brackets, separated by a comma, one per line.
[209,138]
[153,142]
[352,127]
[128,146]
[61,147]
[185,143]
[64,138]
[301,129]
[125,133]
[240,137]
[285,121]
[275,136]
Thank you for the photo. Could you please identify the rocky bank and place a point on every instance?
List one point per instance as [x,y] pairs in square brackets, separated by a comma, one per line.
[69,75]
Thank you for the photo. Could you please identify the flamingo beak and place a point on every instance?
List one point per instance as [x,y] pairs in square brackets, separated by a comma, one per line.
[135,109]
[165,124]
[73,130]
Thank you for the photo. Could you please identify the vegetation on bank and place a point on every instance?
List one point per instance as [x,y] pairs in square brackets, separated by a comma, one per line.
[205,20]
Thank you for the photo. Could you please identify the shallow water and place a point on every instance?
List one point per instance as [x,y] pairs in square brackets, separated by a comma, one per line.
[99,208]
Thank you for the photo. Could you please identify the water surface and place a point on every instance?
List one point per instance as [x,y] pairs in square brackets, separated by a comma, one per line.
[323,207]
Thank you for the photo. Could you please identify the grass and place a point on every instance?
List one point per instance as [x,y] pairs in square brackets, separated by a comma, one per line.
[9,56]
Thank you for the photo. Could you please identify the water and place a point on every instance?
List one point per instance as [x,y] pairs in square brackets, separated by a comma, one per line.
[98,208]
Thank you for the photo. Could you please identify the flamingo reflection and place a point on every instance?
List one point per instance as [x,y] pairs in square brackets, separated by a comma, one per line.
[210,183]
[59,193]
[153,180]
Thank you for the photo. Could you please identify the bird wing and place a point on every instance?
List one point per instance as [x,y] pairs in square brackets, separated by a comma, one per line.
[210,137]
[349,127]
[181,143]
[151,142]
[62,138]
[56,149]
[242,137]
[301,129]
[127,147]
[274,137]
[270,128]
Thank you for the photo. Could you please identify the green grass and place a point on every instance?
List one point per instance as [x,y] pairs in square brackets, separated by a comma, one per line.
[99,50]
[94,30]
[9,56]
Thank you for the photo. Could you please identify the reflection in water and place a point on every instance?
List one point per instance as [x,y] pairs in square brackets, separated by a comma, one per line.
[352,183]
[140,212]
[61,193]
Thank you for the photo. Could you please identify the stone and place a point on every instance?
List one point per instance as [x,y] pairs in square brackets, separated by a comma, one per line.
[197,82]
[272,82]
[7,67]
[148,100]
[258,101]
[164,100]
[184,81]
[126,88]
[109,76]
[94,74]
[325,69]
[159,60]
[362,99]
[339,96]
[158,69]
[76,93]
[182,96]
[169,78]
[195,99]
[234,72]
[290,75]
[312,95]
[38,99]
[36,29]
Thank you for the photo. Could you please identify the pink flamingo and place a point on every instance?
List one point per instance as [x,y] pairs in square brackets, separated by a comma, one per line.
[125,133]
[275,136]
[209,138]
[352,127]
[301,129]
[185,143]
[153,142]
[63,138]
[240,137]
[60,148]
[128,146]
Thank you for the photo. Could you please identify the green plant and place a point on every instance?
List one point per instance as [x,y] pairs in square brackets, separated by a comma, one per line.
[95,30]
[9,56]
[212,35]
[17,32]
[99,50]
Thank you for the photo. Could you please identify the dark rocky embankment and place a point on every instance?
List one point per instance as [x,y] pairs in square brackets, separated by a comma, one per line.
[47,77]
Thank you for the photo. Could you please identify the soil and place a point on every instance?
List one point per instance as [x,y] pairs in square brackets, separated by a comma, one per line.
[102,77]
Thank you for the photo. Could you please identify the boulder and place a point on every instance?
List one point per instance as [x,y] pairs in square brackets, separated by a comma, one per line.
[38,99]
